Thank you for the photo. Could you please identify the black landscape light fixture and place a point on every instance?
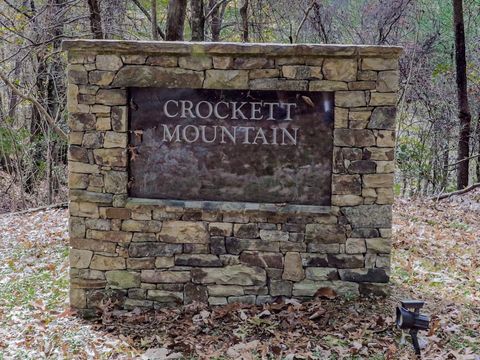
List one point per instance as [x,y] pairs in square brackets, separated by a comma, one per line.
[409,318]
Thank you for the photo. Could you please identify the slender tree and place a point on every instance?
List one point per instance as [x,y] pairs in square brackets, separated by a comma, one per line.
[95,19]
[462,96]
[244,16]
[197,20]
[154,20]
[175,19]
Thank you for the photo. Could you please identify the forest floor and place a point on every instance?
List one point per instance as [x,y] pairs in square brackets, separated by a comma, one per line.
[435,258]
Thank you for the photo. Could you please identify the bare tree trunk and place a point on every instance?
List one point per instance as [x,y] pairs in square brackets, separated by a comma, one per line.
[244,16]
[217,12]
[154,20]
[175,19]
[95,19]
[198,20]
[463,108]
[477,137]
[149,17]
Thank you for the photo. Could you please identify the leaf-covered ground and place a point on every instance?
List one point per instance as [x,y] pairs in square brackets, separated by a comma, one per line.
[435,258]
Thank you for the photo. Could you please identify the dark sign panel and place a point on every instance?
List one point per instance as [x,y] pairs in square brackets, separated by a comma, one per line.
[231,145]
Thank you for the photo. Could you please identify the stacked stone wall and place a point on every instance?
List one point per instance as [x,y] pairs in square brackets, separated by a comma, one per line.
[155,253]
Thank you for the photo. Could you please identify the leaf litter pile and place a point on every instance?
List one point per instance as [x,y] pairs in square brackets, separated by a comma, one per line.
[435,258]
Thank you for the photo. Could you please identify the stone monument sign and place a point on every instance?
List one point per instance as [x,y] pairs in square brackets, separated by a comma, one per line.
[228,172]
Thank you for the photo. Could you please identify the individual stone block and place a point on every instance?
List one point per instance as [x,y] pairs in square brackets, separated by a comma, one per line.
[378,180]
[184,232]
[321,273]
[102,78]
[98,224]
[111,97]
[263,73]
[89,196]
[385,196]
[195,63]
[278,84]
[200,260]
[327,85]
[111,157]
[77,74]
[376,275]
[116,182]
[217,301]
[367,75]
[252,63]
[163,296]
[262,259]
[355,246]
[141,263]
[153,249]
[165,262]
[83,209]
[113,236]
[302,72]
[217,245]
[340,69]
[120,279]
[118,213]
[379,64]
[386,138]
[236,246]
[134,59]
[225,290]
[75,138]
[280,288]
[345,261]
[222,62]
[382,99]
[383,118]
[388,81]
[230,275]
[362,85]
[325,234]
[152,76]
[350,99]
[245,299]
[226,79]
[93,140]
[100,262]
[220,229]
[115,140]
[293,269]
[346,184]
[353,137]
[80,259]
[341,117]
[347,200]
[273,235]
[379,245]
[165,61]
[148,226]
[77,181]
[195,293]
[76,227]
[379,154]
[310,288]
[247,231]
[362,167]
[109,62]
[163,276]
[379,216]
[119,118]
[81,122]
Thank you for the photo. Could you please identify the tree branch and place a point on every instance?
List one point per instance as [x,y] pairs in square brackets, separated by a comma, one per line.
[39,107]
[147,15]
[458,192]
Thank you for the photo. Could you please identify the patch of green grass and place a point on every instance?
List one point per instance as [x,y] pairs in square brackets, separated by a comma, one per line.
[458,225]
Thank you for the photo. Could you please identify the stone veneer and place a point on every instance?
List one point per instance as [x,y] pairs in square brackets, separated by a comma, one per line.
[154,253]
